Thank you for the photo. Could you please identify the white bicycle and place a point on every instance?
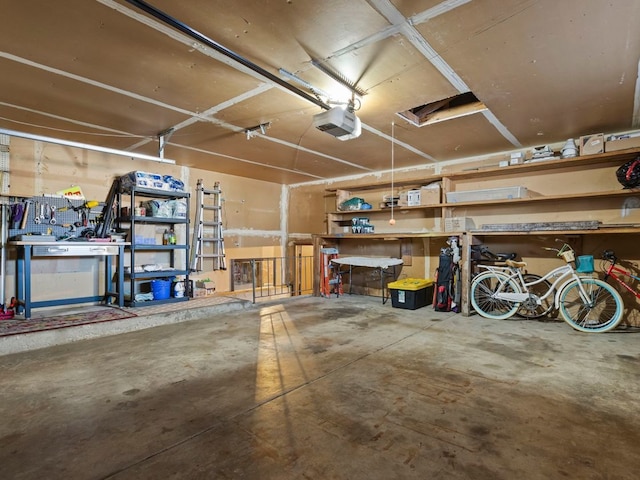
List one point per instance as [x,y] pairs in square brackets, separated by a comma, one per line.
[586,303]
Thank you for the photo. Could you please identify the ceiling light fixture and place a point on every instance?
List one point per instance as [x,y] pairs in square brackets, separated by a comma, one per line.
[85,146]
[338,77]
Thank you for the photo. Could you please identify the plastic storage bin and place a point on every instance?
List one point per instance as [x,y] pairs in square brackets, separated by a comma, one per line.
[503,193]
[161,289]
[411,293]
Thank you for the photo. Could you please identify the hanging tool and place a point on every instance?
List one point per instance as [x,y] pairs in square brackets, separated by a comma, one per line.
[70,226]
[52,208]
[69,206]
[103,228]
[17,212]
[38,214]
[83,211]
[88,205]
[23,224]
[86,211]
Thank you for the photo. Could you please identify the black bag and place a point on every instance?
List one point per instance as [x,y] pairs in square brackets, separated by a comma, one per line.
[444,282]
[629,173]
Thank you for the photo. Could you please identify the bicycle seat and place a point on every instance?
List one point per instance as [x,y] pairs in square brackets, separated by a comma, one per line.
[506,256]
[513,263]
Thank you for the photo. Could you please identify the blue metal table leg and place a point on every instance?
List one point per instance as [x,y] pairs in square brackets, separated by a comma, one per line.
[20,280]
[107,279]
[120,275]
[27,281]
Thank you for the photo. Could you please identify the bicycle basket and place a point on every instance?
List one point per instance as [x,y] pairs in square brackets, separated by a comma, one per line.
[568,256]
[584,264]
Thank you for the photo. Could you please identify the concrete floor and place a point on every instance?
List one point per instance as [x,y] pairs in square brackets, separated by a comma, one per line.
[316,388]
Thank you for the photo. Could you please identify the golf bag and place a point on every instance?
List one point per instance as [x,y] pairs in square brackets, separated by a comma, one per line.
[445,276]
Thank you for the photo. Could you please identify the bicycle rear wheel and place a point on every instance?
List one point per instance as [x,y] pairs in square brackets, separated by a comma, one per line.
[529,308]
[602,313]
[482,289]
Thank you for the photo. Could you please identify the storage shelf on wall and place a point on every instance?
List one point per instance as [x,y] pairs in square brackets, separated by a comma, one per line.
[558,188]
[387,236]
[571,169]
[344,218]
[151,220]
[547,198]
[582,188]
[359,213]
[414,182]
[618,157]
[338,221]
[602,230]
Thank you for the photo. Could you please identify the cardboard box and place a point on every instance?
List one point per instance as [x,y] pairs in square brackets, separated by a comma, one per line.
[208,286]
[458,224]
[341,196]
[592,144]
[413,198]
[615,143]
[199,292]
[430,195]
[411,293]
[516,158]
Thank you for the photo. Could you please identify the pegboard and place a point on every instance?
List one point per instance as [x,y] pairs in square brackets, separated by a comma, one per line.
[5,167]
[70,219]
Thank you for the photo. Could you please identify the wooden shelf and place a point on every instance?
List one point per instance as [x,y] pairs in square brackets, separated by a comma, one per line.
[387,184]
[618,157]
[359,213]
[564,167]
[591,172]
[547,198]
[387,236]
[603,230]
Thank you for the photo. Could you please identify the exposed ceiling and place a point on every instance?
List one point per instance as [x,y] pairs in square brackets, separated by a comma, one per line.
[107,73]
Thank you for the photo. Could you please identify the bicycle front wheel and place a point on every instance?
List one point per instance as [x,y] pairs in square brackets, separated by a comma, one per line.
[601,313]
[484,286]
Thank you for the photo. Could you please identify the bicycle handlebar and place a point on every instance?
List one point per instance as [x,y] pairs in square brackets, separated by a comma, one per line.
[561,250]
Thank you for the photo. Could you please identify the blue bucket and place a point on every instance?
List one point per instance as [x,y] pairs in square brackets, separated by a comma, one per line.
[161,289]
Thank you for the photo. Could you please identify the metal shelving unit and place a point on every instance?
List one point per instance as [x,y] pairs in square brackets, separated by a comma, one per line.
[177,254]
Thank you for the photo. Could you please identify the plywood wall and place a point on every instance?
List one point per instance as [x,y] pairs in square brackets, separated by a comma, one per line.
[252,220]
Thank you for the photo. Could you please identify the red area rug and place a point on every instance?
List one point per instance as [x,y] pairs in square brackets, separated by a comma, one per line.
[17,325]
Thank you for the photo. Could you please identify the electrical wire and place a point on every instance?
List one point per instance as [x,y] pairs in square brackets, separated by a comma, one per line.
[392,221]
